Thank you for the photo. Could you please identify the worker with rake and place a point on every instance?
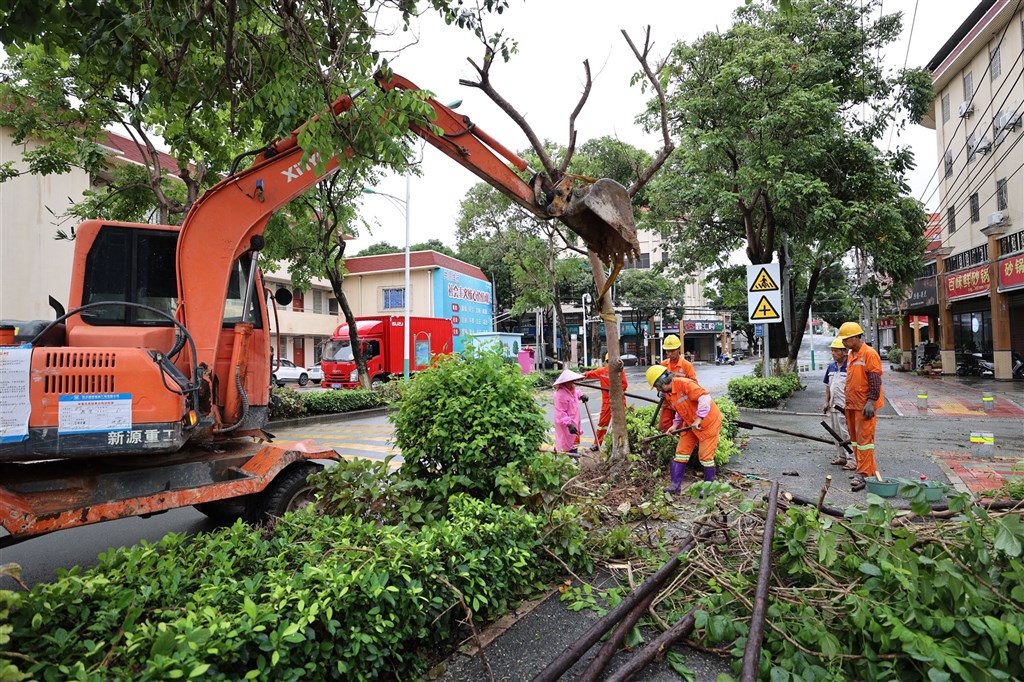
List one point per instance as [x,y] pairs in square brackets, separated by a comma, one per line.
[835,402]
[678,365]
[601,374]
[699,419]
[567,413]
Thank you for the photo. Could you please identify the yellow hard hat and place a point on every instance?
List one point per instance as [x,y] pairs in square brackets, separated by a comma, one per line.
[671,342]
[837,343]
[606,357]
[654,373]
[849,329]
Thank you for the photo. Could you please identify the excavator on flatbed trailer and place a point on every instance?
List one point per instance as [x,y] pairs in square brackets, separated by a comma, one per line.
[151,392]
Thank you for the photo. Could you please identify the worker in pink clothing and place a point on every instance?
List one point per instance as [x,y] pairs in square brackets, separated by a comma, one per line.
[567,413]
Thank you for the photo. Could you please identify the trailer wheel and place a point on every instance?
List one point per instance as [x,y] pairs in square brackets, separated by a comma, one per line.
[288,492]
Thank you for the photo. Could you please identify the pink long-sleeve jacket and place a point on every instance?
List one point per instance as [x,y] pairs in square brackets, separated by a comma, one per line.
[567,411]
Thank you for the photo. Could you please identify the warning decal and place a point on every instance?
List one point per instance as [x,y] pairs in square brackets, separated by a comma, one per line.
[764,282]
[765,311]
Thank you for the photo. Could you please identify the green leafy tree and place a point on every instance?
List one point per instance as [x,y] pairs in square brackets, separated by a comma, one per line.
[777,119]
[647,293]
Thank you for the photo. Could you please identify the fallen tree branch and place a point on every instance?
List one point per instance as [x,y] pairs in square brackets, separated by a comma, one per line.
[752,651]
[681,629]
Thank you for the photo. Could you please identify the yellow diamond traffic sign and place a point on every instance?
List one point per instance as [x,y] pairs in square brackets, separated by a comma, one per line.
[764,293]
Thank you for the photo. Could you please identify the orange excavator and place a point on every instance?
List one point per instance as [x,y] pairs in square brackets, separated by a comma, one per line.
[151,392]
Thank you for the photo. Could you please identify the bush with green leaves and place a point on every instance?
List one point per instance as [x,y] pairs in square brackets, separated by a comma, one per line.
[465,418]
[761,392]
[323,402]
[286,403]
[894,355]
[313,597]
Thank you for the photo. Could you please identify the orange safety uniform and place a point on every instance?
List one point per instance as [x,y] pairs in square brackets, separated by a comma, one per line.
[601,374]
[683,398]
[680,367]
[862,431]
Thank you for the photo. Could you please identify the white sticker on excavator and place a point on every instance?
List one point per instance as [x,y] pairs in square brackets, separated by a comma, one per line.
[94,413]
[15,404]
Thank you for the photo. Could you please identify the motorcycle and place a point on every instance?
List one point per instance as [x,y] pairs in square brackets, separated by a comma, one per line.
[975,364]
[1018,366]
[724,359]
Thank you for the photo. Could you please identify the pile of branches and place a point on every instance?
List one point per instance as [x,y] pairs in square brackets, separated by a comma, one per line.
[875,594]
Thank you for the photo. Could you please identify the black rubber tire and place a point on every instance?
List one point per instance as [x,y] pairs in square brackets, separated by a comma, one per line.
[378,381]
[275,382]
[224,511]
[303,379]
[289,491]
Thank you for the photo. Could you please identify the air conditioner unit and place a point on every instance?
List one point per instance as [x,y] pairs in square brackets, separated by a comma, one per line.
[984,146]
[1008,120]
[965,109]
[997,219]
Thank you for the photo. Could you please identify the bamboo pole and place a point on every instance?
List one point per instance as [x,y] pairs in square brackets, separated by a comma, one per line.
[575,651]
[626,393]
[681,629]
[750,425]
[752,651]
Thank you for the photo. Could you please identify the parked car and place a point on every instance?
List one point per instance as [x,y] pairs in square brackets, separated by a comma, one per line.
[738,355]
[289,371]
[316,374]
[630,360]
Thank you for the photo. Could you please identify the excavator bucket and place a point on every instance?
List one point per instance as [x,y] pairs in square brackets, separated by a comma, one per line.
[602,214]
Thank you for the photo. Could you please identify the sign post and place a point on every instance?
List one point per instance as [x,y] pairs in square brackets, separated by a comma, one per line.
[764,301]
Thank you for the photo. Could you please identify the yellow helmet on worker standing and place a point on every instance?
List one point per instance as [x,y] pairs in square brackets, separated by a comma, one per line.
[654,373]
[837,343]
[671,342]
[849,329]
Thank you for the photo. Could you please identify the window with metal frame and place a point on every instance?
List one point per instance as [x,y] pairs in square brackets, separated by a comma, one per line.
[393,298]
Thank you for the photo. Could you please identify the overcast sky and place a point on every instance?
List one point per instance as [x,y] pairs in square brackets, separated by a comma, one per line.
[544,81]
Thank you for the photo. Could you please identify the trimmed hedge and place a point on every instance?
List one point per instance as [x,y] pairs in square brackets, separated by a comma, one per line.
[342,401]
[760,392]
[313,597]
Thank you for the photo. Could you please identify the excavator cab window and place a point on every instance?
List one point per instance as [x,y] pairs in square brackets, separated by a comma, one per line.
[237,283]
[134,265]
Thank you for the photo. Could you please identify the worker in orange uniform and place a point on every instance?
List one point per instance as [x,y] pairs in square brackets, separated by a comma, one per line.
[601,374]
[698,414]
[678,365]
[863,399]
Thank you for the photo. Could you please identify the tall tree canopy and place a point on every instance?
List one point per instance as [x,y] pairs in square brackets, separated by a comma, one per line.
[777,120]
[209,79]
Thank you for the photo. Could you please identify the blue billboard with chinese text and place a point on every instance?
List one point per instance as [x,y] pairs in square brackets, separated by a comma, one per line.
[466,301]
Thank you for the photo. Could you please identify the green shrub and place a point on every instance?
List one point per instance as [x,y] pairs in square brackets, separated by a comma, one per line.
[313,597]
[760,392]
[894,355]
[286,403]
[463,419]
[324,402]
[390,391]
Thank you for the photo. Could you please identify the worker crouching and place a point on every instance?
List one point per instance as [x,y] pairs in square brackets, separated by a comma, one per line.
[699,419]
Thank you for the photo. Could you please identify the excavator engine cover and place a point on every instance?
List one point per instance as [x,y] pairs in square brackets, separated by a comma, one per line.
[602,214]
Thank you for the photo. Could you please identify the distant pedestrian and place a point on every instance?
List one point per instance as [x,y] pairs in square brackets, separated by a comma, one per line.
[835,402]
[567,413]
[601,374]
[863,399]
[678,365]
[697,413]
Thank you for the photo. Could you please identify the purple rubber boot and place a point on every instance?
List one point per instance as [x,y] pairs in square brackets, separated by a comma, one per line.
[678,471]
[709,474]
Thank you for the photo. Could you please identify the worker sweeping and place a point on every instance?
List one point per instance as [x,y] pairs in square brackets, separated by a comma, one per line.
[601,374]
[678,365]
[863,399]
[567,413]
[698,414]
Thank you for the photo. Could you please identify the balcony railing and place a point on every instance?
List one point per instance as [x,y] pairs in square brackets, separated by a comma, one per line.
[929,270]
[967,259]
[1011,243]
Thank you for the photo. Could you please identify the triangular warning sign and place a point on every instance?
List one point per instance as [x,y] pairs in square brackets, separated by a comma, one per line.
[764,282]
[764,310]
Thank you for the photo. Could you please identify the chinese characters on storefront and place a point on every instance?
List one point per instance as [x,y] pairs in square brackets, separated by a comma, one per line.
[1011,272]
[968,283]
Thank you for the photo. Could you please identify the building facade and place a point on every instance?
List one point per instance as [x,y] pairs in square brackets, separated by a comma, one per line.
[972,288]
[439,286]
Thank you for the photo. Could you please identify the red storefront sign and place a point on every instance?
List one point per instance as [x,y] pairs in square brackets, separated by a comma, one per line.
[887,323]
[968,283]
[1011,272]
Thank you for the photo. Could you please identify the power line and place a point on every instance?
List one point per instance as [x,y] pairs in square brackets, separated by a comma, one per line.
[906,58]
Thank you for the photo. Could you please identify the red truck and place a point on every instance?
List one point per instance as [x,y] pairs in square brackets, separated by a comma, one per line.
[383,346]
